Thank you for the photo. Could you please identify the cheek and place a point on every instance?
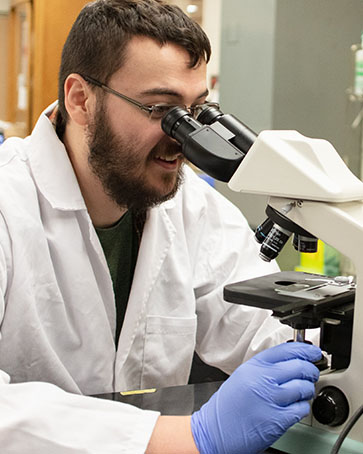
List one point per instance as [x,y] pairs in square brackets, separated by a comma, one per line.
[138,131]
[144,142]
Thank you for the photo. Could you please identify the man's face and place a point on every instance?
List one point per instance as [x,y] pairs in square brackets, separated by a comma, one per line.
[137,164]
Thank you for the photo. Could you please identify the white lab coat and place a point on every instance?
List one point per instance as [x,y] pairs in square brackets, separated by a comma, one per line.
[57,306]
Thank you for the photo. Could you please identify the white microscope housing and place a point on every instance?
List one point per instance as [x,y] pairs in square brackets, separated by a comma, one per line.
[326,199]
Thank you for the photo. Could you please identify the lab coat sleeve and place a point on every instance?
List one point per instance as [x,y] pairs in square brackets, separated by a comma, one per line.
[41,418]
[229,334]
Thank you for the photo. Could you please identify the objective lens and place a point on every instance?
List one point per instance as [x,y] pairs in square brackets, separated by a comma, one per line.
[263,230]
[305,243]
[274,242]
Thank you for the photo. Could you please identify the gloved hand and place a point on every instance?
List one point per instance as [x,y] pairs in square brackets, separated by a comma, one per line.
[259,402]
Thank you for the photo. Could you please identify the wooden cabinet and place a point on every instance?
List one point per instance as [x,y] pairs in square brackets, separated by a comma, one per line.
[3,61]
[18,105]
[37,32]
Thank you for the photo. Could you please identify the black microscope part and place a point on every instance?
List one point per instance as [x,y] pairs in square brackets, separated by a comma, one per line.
[243,138]
[262,230]
[214,148]
[285,222]
[273,243]
[298,312]
[305,244]
[330,407]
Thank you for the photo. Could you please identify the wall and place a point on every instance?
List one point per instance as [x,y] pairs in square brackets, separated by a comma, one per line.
[247,77]
[247,52]
[313,70]
[4,6]
[286,64]
[211,23]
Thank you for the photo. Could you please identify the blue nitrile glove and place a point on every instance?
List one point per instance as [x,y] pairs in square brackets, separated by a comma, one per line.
[259,402]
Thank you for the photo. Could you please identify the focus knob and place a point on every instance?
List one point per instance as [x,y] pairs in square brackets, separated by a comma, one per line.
[330,407]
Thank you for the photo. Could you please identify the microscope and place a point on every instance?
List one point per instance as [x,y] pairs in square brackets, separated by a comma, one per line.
[311,194]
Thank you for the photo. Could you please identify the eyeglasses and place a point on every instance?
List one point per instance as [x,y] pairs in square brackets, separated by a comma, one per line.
[156,111]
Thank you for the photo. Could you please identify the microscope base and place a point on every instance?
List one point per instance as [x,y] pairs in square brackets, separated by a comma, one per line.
[302,439]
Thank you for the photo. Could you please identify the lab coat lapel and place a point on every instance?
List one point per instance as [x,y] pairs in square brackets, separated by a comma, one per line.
[102,275]
[57,182]
[158,235]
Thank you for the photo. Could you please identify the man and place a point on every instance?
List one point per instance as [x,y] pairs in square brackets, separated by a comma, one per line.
[113,257]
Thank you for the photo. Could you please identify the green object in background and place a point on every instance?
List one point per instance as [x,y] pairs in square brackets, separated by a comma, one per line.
[332,261]
[325,261]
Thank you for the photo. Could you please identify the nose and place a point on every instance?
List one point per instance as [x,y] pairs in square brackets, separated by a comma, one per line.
[171,144]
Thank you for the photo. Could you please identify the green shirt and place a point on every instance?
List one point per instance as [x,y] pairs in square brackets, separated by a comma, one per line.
[120,245]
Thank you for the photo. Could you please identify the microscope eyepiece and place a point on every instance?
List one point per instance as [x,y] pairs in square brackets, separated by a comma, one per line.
[171,117]
[178,123]
[209,115]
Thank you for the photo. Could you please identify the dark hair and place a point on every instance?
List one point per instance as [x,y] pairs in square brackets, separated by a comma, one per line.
[97,41]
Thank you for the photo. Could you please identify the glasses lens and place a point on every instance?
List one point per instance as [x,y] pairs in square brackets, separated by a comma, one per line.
[196,110]
[159,110]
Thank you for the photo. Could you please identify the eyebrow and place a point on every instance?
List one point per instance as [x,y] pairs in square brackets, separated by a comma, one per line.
[169,92]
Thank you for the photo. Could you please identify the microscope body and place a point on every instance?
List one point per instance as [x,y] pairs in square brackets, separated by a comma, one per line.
[314,195]
[326,199]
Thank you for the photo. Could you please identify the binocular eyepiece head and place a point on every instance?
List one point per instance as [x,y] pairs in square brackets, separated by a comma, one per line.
[208,141]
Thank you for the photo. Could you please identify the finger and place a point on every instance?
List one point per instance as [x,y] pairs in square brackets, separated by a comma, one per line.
[291,370]
[293,391]
[292,414]
[299,410]
[290,350]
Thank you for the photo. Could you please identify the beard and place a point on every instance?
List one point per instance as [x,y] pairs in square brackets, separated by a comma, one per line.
[122,172]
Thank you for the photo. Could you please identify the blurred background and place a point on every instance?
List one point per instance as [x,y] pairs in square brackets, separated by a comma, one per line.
[276,64]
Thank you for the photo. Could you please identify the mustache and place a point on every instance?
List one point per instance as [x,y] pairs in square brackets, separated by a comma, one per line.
[167,148]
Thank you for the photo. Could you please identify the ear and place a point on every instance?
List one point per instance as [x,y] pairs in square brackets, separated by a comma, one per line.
[78,99]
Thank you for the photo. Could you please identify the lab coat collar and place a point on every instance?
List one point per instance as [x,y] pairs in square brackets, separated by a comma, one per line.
[169,204]
[52,168]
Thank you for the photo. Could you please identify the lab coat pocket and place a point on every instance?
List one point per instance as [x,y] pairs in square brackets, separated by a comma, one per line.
[168,350]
